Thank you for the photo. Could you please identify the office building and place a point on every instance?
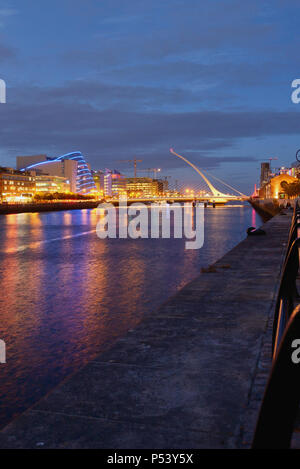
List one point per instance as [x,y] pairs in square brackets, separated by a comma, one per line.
[46,183]
[71,166]
[264,173]
[16,186]
[143,187]
[23,161]
[114,183]
[163,186]
[98,177]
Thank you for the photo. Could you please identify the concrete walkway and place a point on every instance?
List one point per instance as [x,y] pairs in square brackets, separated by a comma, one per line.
[190,376]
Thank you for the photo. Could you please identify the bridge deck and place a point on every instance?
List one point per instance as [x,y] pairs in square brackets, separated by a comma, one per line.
[169,199]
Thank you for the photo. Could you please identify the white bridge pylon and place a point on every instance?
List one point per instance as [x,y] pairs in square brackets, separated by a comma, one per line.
[216,194]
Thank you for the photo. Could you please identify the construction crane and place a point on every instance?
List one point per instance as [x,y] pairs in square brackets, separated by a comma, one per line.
[155,171]
[134,161]
[269,159]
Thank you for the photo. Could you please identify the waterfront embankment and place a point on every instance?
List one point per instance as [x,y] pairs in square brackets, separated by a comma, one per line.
[6,209]
[266,208]
[190,375]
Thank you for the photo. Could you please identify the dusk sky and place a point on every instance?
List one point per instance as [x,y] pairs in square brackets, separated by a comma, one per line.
[117,80]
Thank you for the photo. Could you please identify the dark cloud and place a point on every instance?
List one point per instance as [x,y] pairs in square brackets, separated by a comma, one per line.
[116,79]
[6,52]
[174,28]
[105,95]
[183,72]
[46,120]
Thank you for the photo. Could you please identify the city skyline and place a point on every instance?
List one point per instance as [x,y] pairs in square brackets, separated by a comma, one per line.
[73,173]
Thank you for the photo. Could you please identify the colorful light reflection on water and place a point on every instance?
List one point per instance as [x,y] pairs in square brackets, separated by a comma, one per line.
[67,295]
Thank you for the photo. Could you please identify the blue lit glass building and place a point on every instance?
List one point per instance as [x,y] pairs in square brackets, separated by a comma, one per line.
[72,166]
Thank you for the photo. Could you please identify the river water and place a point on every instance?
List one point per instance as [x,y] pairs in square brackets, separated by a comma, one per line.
[67,295]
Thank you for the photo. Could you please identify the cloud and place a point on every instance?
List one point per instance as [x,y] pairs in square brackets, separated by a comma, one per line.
[120,19]
[6,52]
[53,120]
[174,29]
[197,75]
[108,96]
[8,12]
[5,13]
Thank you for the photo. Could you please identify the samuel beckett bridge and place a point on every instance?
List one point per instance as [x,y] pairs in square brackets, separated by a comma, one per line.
[213,194]
[201,191]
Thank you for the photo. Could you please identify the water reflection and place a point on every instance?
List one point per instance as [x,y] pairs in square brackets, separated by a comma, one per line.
[67,295]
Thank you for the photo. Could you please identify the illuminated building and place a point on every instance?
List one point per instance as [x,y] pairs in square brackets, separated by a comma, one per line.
[284,170]
[98,177]
[143,187]
[23,161]
[46,183]
[114,183]
[16,186]
[71,166]
[163,186]
[264,173]
[295,170]
[273,189]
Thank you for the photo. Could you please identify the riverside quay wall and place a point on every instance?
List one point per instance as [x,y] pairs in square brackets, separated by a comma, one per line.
[190,375]
[267,208]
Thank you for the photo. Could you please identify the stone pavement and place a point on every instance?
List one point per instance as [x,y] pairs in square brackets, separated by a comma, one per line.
[191,375]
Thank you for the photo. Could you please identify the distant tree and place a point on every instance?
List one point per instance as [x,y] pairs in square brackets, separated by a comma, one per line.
[291,189]
[61,196]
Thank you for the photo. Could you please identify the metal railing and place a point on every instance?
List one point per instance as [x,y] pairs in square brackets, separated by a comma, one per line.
[281,400]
